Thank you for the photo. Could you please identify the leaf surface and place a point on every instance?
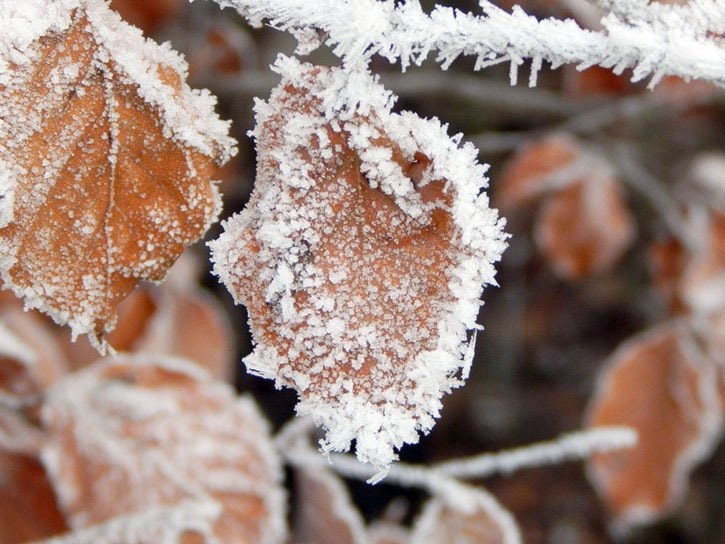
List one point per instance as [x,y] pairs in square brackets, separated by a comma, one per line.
[128,435]
[106,157]
[662,385]
[325,514]
[584,228]
[583,224]
[469,515]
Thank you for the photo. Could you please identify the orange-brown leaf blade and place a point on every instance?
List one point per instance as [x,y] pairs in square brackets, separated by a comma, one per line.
[361,258]
[129,435]
[664,387]
[106,155]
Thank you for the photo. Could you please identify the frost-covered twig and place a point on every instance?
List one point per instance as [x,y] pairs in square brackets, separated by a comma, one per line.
[653,40]
[579,445]
[293,444]
[163,525]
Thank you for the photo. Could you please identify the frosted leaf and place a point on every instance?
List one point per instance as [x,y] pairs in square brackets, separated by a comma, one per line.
[105,159]
[361,257]
[325,514]
[189,522]
[472,515]
[585,228]
[703,279]
[693,278]
[388,533]
[132,434]
[537,168]
[17,433]
[662,385]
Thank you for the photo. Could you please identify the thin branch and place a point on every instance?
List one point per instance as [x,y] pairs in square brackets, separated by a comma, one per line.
[457,86]
[292,443]
[574,446]
[653,40]
[655,193]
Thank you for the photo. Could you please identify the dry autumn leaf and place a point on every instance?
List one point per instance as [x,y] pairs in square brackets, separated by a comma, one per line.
[361,258]
[585,228]
[469,515]
[325,514]
[27,503]
[386,533]
[532,170]
[692,279]
[31,360]
[29,509]
[703,280]
[661,384]
[106,156]
[130,435]
[584,224]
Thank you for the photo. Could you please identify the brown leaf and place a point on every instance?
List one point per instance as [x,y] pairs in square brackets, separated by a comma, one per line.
[585,228]
[129,435]
[692,279]
[703,280]
[666,259]
[583,224]
[360,258]
[325,514]
[220,49]
[388,533]
[31,360]
[471,515]
[29,509]
[660,384]
[107,169]
[148,16]
[528,175]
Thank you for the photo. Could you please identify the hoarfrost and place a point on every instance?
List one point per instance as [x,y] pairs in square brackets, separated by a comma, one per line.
[364,274]
[653,40]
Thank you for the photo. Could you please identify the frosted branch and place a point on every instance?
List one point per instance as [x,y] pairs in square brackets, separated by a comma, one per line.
[574,446]
[292,442]
[653,40]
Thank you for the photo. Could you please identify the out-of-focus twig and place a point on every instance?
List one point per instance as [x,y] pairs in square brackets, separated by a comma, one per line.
[465,87]
[634,174]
